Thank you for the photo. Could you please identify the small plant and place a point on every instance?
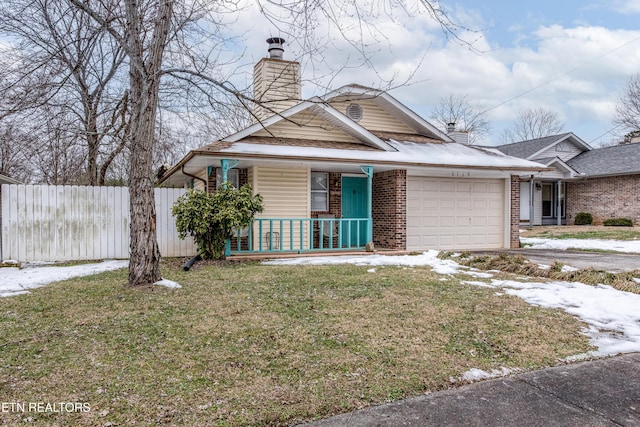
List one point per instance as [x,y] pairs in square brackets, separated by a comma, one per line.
[583,218]
[618,222]
[211,218]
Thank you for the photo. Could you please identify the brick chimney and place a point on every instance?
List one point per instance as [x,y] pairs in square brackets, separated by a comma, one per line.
[276,81]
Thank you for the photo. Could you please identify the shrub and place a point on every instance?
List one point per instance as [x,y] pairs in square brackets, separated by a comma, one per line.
[618,222]
[583,218]
[211,218]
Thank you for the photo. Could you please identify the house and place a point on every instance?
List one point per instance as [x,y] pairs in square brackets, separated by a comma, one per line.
[604,182]
[356,166]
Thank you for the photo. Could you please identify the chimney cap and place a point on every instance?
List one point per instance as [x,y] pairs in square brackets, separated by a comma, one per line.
[275,47]
[451,127]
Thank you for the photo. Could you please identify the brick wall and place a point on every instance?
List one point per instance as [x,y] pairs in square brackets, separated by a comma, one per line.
[604,198]
[390,209]
[514,230]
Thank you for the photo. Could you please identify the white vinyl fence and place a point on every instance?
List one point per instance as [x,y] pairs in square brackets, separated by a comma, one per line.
[61,223]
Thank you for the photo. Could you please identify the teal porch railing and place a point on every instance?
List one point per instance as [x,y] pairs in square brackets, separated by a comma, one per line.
[300,235]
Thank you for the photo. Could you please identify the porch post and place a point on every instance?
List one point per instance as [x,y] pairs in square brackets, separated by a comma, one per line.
[532,188]
[227,164]
[368,171]
[559,202]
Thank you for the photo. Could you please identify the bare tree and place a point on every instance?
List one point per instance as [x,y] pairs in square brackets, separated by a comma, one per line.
[467,116]
[531,124]
[628,108]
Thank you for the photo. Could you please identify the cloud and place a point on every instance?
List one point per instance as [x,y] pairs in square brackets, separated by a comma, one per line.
[575,70]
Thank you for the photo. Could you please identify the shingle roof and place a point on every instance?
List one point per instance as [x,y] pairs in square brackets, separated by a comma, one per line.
[524,149]
[615,160]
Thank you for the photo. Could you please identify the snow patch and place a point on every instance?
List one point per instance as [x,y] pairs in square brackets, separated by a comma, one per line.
[15,281]
[629,246]
[168,283]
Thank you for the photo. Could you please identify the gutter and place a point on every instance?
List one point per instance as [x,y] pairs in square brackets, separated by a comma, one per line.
[195,177]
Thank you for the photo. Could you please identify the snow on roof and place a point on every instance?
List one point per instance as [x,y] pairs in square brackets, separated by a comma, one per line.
[410,153]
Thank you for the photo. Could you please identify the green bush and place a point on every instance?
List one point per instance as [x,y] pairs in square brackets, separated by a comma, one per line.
[618,222]
[211,218]
[583,218]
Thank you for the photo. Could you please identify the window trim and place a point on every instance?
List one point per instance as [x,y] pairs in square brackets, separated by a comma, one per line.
[323,191]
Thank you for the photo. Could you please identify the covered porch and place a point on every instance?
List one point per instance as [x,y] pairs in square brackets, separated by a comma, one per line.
[308,207]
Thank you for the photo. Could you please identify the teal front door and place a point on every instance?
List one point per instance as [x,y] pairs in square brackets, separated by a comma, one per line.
[354,205]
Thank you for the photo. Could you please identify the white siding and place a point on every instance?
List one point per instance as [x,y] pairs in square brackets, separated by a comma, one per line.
[375,118]
[565,150]
[537,206]
[56,223]
[276,84]
[286,194]
[306,125]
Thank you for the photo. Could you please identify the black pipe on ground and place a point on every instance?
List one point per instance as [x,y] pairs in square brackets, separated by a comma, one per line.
[192,261]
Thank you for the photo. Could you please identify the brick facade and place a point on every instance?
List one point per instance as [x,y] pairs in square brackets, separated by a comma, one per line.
[514,226]
[604,198]
[390,209]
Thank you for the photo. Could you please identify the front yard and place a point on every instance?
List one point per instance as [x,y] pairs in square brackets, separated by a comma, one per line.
[258,344]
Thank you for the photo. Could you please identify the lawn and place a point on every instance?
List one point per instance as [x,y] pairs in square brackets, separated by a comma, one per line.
[249,344]
[583,232]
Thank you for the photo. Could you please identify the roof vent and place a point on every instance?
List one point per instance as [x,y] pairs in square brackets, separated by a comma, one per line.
[354,112]
[276,48]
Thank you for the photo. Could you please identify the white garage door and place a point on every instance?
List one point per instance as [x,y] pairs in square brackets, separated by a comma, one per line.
[455,213]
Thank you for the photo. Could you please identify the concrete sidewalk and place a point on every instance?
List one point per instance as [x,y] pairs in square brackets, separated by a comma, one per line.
[604,392]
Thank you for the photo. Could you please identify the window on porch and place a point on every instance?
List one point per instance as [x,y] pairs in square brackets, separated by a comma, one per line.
[319,191]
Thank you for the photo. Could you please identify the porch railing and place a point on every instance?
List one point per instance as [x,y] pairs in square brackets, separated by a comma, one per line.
[300,235]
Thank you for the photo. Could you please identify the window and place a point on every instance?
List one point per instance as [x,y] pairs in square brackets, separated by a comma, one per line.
[319,191]
[232,177]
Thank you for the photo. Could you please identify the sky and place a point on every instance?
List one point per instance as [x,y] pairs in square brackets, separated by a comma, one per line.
[570,57]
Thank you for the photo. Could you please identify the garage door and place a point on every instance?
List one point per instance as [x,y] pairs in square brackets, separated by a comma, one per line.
[455,213]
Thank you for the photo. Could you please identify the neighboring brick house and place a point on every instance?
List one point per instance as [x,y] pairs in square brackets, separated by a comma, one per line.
[604,182]
[354,167]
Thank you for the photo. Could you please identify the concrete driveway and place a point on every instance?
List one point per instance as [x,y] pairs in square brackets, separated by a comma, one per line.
[613,262]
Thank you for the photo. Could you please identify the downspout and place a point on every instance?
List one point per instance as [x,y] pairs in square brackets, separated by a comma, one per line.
[193,176]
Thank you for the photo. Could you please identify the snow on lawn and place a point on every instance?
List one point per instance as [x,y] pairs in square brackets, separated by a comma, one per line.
[16,281]
[631,246]
[613,316]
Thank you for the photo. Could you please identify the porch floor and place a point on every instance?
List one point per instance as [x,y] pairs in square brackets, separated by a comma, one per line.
[276,255]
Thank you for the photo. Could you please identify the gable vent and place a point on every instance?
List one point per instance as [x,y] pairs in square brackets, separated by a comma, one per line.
[354,112]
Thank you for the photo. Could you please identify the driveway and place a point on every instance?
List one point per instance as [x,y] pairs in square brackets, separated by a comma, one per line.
[613,262]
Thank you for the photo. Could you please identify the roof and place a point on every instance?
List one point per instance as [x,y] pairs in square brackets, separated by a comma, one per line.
[405,154]
[530,148]
[424,148]
[615,160]
[8,180]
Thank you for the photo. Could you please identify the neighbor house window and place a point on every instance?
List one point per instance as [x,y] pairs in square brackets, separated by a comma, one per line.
[319,191]
[232,177]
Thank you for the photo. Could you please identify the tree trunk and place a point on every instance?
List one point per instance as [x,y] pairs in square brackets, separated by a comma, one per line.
[144,74]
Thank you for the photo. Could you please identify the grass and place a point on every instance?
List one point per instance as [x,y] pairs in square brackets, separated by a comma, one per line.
[247,344]
[583,232]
